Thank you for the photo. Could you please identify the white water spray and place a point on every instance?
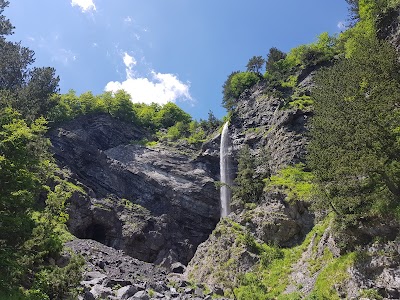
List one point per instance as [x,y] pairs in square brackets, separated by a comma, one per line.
[225,172]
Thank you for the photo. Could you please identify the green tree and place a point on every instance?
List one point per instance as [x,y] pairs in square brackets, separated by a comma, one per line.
[355,150]
[5,25]
[274,55]
[26,90]
[123,107]
[248,183]
[235,85]
[170,114]
[353,11]
[34,98]
[255,64]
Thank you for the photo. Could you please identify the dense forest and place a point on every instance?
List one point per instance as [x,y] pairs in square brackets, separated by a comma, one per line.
[351,175]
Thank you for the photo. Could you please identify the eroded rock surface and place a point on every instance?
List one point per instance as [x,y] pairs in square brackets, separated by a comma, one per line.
[156,204]
[261,122]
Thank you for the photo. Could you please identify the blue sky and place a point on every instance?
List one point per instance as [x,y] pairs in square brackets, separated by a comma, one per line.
[164,50]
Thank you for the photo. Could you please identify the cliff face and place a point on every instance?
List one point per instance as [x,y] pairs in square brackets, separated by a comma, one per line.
[156,204]
[262,122]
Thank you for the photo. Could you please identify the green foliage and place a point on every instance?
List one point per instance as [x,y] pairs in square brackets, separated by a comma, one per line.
[365,12]
[371,294]
[170,114]
[69,106]
[59,283]
[301,102]
[32,214]
[274,56]
[324,49]
[29,234]
[354,151]
[294,181]
[270,279]
[25,89]
[211,124]
[235,85]
[332,275]
[177,123]
[290,82]
[248,183]
[255,64]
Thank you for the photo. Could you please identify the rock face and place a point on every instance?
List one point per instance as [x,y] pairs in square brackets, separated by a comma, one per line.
[261,122]
[276,221]
[375,273]
[156,204]
[223,257]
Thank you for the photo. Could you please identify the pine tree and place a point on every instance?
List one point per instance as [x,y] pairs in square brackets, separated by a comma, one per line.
[355,150]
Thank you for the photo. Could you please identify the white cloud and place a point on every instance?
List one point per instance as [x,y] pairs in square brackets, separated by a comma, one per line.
[158,87]
[85,5]
[129,61]
[341,25]
[128,20]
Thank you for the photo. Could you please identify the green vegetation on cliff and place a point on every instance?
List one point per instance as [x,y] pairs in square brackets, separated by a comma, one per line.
[352,169]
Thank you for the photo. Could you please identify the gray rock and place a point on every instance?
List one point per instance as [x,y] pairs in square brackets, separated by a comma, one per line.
[99,291]
[142,295]
[94,275]
[171,202]
[88,296]
[199,292]
[178,268]
[126,292]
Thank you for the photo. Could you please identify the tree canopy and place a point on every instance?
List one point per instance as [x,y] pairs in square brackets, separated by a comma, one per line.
[355,149]
[236,83]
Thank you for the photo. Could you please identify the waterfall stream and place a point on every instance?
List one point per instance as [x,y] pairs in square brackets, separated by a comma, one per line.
[225,172]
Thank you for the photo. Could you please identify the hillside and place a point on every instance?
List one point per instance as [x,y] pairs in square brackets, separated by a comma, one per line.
[105,199]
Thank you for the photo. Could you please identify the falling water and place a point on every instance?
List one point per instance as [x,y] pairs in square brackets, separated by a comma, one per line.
[225,170]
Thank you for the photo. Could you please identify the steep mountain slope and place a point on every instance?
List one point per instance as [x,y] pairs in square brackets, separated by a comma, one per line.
[156,204]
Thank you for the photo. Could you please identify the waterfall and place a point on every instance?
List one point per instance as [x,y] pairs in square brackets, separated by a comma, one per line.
[225,171]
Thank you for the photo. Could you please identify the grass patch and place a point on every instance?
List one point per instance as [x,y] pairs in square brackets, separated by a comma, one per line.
[271,278]
[294,181]
[334,274]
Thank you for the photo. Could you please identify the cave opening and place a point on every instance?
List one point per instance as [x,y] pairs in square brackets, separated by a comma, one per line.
[96,232]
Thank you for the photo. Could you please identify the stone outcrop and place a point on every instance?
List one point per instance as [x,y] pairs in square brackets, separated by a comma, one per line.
[276,221]
[261,122]
[156,204]
[221,259]
[374,272]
